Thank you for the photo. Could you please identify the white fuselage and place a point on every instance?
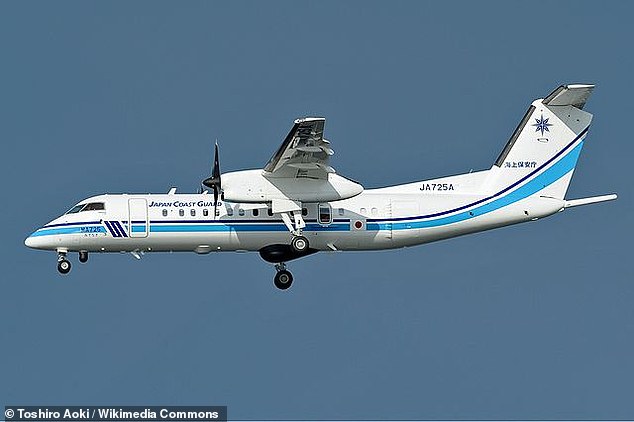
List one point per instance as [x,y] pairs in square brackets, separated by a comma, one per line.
[386,218]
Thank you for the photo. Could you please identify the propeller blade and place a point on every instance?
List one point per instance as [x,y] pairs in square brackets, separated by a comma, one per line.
[216,170]
[213,182]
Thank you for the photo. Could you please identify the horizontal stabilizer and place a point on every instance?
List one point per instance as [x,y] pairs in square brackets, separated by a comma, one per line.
[587,201]
[575,95]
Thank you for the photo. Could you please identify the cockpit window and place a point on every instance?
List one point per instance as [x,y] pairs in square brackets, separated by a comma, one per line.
[93,206]
[75,209]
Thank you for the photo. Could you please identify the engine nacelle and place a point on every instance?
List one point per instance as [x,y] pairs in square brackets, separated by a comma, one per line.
[253,186]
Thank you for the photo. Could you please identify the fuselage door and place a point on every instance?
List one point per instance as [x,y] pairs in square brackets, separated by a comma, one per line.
[324,216]
[139,224]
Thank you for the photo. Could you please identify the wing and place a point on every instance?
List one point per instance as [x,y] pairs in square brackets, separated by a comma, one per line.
[304,152]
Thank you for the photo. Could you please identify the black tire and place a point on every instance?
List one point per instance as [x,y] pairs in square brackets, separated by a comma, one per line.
[299,244]
[283,279]
[63,266]
[83,257]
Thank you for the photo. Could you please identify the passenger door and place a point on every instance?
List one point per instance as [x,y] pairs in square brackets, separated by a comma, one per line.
[139,224]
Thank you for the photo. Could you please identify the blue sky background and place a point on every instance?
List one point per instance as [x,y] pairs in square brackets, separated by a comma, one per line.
[527,322]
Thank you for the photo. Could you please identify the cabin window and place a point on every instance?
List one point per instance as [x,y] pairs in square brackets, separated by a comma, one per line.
[229,211]
[181,212]
[205,212]
[341,211]
[241,212]
[192,212]
[256,212]
[363,211]
[374,211]
[304,212]
[325,214]
[164,213]
[270,212]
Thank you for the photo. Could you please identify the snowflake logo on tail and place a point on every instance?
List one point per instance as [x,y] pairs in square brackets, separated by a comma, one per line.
[542,125]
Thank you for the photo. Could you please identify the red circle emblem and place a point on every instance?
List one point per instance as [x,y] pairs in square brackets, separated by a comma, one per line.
[358,224]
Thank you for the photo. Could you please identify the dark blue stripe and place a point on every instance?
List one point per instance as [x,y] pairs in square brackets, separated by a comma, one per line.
[123,233]
[112,230]
[72,224]
[583,132]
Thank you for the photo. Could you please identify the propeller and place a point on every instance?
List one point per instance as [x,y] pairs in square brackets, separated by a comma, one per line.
[213,182]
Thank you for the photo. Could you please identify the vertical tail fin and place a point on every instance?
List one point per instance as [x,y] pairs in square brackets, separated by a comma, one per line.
[548,139]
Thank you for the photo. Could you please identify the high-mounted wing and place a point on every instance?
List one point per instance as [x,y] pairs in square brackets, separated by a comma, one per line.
[304,152]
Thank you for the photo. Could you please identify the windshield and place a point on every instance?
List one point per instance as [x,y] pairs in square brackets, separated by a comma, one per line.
[93,206]
[75,209]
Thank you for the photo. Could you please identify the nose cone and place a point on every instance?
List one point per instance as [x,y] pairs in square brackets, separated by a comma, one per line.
[38,242]
[30,242]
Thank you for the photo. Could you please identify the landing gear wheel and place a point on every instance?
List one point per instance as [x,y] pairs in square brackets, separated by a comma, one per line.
[83,257]
[299,244]
[63,266]
[283,279]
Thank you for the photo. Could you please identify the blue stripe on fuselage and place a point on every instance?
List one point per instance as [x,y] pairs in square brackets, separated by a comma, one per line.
[138,228]
[548,177]
[222,227]
[68,230]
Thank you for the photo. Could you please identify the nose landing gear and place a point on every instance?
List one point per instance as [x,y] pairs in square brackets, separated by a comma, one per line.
[63,265]
[83,257]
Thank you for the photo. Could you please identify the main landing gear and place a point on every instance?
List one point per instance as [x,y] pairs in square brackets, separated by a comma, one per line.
[295,224]
[83,257]
[299,244]
[283,278]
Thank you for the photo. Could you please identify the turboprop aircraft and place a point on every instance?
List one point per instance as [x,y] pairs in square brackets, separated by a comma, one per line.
[297,205]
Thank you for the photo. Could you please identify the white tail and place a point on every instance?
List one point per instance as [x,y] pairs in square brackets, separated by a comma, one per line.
[546,143]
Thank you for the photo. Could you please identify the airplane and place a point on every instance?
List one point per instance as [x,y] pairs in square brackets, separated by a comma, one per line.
[298,205]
